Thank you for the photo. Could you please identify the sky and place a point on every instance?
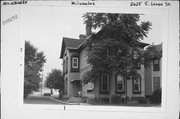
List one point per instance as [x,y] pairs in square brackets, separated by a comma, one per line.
[45,26]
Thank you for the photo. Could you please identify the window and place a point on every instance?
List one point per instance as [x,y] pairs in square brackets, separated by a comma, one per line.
[156,65]
[136,85]
[66,86]
[104,82]
[66,65]
[74,62]
[119,83]
[156,83]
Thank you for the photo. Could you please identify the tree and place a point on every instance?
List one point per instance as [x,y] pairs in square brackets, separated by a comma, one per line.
[55,80]
[34,62]
[112,48]
[117,46]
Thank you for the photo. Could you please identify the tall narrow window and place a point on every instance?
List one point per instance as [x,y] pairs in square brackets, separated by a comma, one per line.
[156,83]
[66,86]
[66,64]
[156,65]
[64,70]
[74,62]
[119,83]
[104,82]
[136,85]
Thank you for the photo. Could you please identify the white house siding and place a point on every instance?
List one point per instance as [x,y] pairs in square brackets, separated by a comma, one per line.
[83,59]
[149,75]
[84,67]
[112,84]
[148,81]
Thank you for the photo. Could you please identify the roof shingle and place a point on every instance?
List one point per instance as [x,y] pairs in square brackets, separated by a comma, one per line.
[70,43]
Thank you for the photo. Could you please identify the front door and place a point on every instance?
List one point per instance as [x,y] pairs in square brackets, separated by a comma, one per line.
[76,88]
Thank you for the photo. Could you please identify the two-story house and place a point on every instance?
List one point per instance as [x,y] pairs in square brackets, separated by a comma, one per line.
[106,85]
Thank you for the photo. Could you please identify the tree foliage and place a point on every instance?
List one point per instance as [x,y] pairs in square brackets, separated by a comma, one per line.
[112,48]
[55,80]
[34,62]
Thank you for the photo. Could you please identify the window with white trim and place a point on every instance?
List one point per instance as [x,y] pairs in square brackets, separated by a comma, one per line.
[156,65]
[104,82]
[137,85]
[119,83]
[74,62]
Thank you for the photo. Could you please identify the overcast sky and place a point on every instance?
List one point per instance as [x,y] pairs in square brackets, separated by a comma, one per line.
[45,26]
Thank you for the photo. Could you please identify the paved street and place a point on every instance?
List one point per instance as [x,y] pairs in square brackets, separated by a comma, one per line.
[40,99]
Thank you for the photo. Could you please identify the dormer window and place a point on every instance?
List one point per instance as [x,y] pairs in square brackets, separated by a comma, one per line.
[74,62]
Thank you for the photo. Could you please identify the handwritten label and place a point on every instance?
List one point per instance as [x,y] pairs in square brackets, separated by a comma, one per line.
[15,2]
[10,19]
[150,3]
[82,3]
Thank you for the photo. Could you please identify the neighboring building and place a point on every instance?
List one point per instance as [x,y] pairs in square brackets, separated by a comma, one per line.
[153,74]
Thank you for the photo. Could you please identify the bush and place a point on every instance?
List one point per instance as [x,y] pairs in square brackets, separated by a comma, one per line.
[156,97]
[142,100]
[93,101]
[84,99]
[27,91]
[64,98]
[115,99]
[105,100]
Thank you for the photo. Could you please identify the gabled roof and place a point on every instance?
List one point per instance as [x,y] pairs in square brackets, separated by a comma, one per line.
[141,44]
[70,43]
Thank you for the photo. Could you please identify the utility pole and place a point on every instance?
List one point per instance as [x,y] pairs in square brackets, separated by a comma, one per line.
[42,79]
